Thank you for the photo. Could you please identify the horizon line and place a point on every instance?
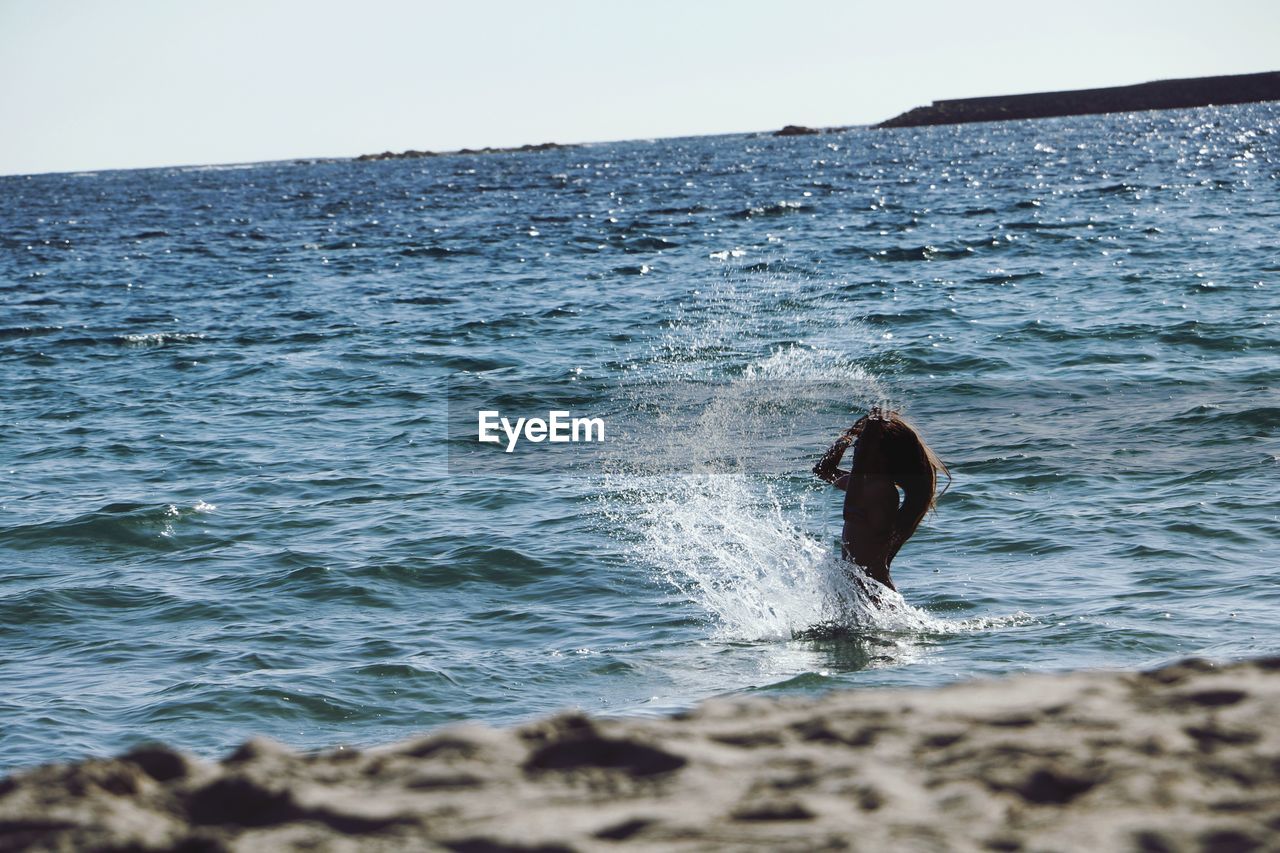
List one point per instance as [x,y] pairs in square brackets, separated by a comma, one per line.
[336,158]
[515,149]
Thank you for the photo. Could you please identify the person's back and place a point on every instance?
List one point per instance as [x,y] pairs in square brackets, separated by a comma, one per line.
[888,454]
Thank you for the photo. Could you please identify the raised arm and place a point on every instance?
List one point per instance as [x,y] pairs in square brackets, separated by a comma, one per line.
[828,467]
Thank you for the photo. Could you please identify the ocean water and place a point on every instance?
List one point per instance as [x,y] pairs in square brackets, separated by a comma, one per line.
[231,503]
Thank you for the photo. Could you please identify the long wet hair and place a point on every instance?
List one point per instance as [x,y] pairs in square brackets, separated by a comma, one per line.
[888,445]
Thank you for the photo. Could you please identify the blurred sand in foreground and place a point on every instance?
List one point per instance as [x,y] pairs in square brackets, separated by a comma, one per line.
[1182,758]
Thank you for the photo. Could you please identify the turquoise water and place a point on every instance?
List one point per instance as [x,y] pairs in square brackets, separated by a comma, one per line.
[232,505]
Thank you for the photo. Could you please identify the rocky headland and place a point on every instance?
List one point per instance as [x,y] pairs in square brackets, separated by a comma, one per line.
[1184,758]
[1157,95]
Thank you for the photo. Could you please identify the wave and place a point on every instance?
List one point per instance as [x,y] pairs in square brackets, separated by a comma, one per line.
[158,338]
[427,251]
[781,208]
[130,524]
[12,332]
[647,244]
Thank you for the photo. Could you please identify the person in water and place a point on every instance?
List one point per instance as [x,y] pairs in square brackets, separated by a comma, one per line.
[888,454]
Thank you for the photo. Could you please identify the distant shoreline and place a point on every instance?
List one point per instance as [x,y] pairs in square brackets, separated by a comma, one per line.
[1182,93]
[412,154]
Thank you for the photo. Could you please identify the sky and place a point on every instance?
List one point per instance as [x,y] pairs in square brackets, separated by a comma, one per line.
[90,84]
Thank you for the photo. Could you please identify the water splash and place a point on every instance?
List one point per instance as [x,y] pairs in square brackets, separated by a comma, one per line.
[747,556]
[743,546]
[729,543]
[739,545]
[799,363]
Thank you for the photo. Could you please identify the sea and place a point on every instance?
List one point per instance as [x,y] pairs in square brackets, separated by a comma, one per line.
[240,496]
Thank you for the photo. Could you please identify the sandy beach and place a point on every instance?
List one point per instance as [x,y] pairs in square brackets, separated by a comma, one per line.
[1182,758]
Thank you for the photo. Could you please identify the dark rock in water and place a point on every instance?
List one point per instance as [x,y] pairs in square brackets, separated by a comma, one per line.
[1158,95]
[411,154]
[796,130]
[391,155]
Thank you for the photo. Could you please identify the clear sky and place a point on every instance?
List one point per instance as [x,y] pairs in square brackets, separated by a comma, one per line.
[90,85]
